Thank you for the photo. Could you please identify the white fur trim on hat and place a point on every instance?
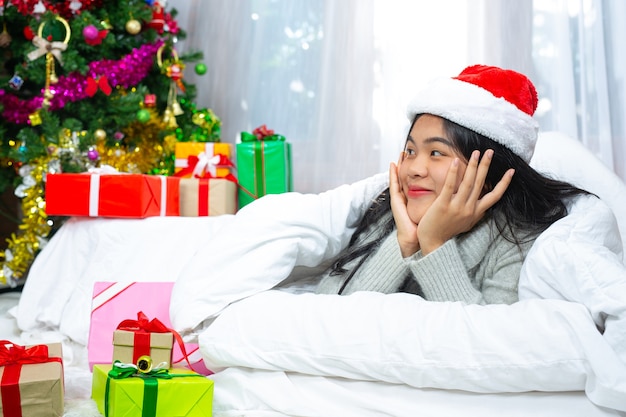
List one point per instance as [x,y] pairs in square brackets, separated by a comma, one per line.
[477,109]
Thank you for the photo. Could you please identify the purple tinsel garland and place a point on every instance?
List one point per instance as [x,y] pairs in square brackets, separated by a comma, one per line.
[126,72]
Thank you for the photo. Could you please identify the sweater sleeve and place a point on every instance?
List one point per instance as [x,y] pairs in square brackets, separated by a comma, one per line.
[443,276]
[386,262]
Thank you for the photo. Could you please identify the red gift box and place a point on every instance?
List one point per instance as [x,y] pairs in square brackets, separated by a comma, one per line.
[112,195]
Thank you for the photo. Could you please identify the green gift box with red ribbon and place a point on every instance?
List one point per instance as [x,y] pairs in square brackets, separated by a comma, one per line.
[121,389]
[263,165]
[31,380]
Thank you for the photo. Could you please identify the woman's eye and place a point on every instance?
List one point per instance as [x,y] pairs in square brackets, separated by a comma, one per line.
[409,152]
[435,153]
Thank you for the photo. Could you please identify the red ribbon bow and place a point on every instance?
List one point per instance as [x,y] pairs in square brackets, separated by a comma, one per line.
[262,132]
[16,354]
[143,324]
[93,85]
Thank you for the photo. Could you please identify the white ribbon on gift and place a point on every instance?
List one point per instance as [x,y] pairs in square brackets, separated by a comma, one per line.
[206,164]
[107,295]
[163,205]
[203,161]
[94,194]
[94,188]
[43,47]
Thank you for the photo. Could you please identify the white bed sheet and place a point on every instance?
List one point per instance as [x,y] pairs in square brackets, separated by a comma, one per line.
[258,393]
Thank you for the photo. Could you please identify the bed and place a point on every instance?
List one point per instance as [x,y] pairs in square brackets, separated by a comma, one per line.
[277,349]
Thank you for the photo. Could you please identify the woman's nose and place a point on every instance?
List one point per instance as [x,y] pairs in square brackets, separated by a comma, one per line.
[417,166]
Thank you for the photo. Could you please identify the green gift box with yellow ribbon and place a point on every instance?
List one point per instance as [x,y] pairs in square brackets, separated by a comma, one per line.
[122,390]
[263,165]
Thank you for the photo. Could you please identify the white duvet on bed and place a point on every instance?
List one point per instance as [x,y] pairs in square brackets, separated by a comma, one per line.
[536,344]
[570,341]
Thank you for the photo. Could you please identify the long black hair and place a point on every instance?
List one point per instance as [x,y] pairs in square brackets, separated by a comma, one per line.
[531,203]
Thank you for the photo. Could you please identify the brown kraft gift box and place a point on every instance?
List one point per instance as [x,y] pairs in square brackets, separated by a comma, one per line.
[39,389]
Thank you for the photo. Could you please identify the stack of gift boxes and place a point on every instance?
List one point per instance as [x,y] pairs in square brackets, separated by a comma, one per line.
[205,182]
[141,366]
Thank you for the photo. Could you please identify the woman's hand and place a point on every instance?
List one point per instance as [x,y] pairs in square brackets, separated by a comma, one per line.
[456,211]
[406,229]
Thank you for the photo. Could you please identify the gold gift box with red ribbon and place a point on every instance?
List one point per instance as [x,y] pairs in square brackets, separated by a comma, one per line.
[192,159]
[31,380]
[143,337]
[112,195]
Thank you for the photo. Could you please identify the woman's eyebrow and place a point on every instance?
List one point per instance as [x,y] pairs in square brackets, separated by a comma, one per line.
[437,139]
[431,140]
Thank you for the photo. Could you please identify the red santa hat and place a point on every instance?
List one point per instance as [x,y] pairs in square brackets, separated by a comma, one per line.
[492,101]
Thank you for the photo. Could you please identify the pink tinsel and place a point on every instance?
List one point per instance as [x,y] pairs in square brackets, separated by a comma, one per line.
[127,72]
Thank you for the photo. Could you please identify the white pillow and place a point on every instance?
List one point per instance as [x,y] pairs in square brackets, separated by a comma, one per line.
[543,345]
[567,159]
[579,259]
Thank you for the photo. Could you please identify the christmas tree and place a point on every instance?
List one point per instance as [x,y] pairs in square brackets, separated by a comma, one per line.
[87,83]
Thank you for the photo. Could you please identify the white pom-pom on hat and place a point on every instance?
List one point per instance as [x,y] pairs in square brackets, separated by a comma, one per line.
[492,101]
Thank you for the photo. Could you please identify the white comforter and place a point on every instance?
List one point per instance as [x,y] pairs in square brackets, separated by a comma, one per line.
[567,333]
[542,343]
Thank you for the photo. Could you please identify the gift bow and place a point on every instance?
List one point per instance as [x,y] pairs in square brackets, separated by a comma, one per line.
[143,324]
[261,133]
[16,354]
[121,370]
[153,326]
[43,47]
[93,85]
[197,165]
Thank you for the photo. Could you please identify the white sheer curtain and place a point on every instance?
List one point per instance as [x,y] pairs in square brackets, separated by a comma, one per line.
[334,77]
[579,56]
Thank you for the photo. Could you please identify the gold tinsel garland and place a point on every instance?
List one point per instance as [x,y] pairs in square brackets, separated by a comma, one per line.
[143,151]
[23,247]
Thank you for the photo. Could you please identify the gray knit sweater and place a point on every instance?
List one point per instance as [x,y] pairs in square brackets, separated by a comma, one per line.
[478,267]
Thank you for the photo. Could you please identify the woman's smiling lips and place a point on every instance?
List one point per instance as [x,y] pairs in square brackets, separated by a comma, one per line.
[414,192]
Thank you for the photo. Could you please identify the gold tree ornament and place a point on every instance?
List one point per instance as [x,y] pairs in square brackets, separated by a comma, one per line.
[100,134]
[5,38]
[133,26]
[52,50]
[173,69]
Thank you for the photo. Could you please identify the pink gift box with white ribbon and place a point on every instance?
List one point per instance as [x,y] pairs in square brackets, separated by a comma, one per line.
[114,302]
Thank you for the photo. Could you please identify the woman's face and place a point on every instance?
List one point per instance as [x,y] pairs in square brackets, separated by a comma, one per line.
[428,155]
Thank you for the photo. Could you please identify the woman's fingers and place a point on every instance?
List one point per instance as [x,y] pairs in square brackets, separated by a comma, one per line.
[481,174]
[394,184]
[498,191]
[449,185]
